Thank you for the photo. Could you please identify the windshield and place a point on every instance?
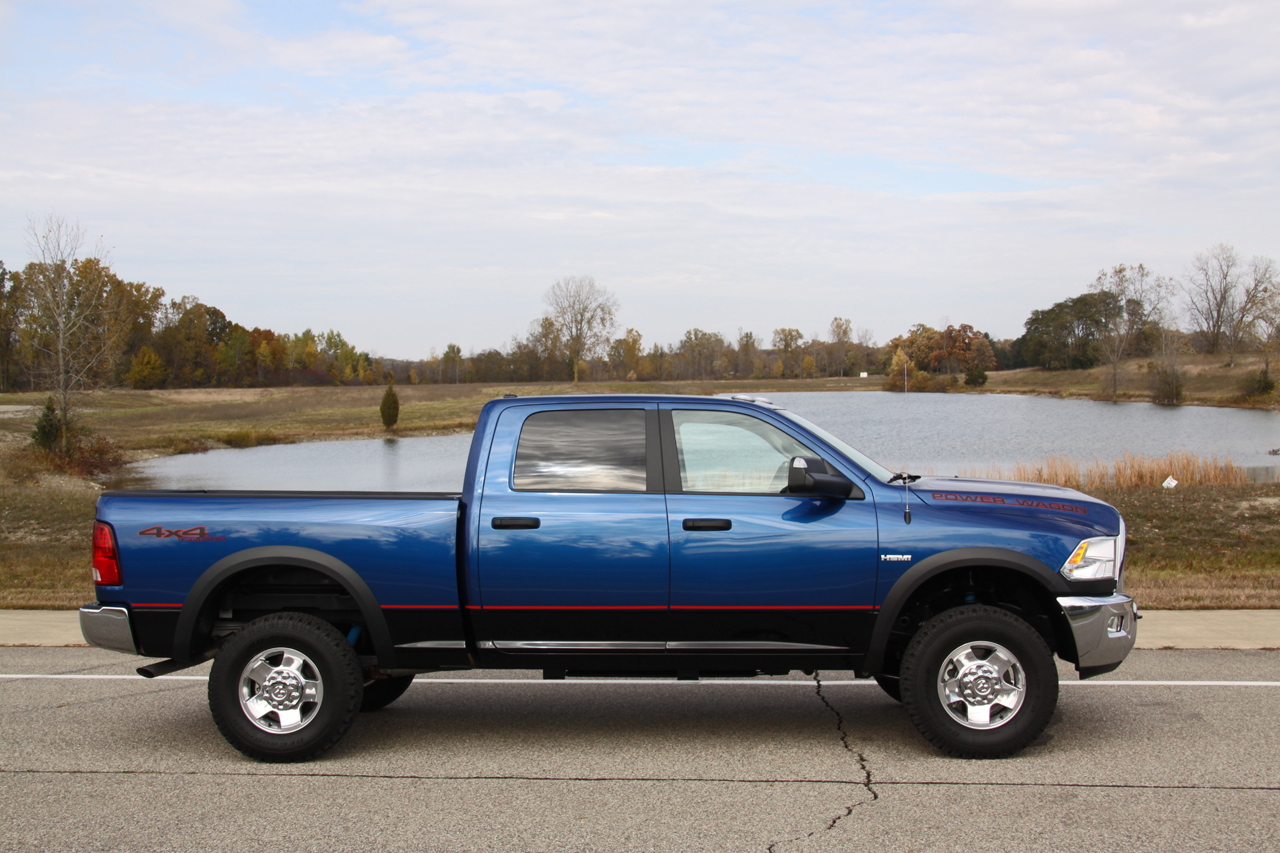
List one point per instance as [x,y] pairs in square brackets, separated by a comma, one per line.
[872,467]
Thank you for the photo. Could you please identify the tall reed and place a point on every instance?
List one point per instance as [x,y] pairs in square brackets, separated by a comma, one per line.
[1129,471]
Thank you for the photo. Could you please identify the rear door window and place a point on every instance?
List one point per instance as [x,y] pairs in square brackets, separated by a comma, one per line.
[582,450]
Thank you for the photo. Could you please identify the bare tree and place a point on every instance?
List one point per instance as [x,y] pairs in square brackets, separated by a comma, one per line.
[585,314]
[1249,302]
[1210,285]
[1265,278]
[1127,293]
[69,319]
[1166,385]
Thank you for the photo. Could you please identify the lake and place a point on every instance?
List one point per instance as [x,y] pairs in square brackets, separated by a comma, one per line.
[941,432]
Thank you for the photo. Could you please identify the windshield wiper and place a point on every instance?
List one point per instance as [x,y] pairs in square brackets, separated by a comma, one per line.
[903,478]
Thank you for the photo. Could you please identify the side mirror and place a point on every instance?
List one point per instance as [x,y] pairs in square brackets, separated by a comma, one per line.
[809,475]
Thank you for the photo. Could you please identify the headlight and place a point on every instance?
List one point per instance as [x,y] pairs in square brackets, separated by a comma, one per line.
[1093,559]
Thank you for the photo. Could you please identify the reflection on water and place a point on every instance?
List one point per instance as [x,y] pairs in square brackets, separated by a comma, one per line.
[947,432]
[434,464]
[944,432]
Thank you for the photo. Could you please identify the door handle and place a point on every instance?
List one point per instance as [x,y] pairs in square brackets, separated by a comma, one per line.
[707,524]
[517,523]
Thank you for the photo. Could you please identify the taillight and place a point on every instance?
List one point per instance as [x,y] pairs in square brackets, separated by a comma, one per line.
[106,559]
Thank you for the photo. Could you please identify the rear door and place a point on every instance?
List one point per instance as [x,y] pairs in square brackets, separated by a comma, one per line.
[755,570]
[573,551]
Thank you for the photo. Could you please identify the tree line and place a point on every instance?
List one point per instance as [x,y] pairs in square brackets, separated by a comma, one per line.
[68,322]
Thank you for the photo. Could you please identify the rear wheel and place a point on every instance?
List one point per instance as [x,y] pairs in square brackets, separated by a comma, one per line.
[381,692]
[286,687]
[979,682]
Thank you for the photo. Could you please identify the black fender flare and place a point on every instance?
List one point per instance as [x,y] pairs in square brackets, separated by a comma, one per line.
[281,555]
[945,561]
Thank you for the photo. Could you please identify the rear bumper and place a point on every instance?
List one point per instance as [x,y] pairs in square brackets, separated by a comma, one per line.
[1105,628]
[107,627]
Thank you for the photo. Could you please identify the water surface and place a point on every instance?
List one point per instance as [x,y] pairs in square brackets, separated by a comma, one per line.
[940,432]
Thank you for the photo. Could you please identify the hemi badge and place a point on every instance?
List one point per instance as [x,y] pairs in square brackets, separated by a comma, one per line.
[896,558]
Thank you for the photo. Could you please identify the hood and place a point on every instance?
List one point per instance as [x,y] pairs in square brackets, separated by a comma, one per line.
[1012,497]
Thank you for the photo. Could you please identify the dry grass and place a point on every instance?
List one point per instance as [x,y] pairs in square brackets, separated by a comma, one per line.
[1202,547]
[1129,471]
[44,545]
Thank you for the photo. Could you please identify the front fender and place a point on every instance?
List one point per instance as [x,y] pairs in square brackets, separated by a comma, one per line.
[930,567]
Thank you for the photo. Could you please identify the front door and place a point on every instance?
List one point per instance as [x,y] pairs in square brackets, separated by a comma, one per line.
[573,552]
[753,569]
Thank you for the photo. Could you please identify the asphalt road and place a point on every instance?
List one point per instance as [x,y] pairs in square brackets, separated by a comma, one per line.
[496,762]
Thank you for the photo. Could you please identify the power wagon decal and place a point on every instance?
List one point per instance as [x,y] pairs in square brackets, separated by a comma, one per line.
[1028,503]
[191,534]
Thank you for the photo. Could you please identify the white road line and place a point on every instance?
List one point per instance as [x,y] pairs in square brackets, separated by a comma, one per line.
[660,681]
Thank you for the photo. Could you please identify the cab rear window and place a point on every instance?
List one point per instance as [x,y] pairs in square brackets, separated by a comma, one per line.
[591,450]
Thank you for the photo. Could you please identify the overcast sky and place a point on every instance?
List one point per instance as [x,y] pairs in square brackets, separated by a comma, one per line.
[414,174]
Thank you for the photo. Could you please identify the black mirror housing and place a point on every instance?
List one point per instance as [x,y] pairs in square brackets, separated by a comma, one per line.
[810,475]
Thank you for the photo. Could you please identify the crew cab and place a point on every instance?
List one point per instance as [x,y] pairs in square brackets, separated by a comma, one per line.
[685,537]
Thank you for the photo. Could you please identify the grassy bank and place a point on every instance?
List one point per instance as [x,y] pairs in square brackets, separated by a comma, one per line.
[1209,381]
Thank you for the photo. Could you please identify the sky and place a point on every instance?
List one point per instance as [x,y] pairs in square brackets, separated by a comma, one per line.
[417,174]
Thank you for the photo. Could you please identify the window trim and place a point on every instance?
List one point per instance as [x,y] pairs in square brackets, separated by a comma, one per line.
[652,451]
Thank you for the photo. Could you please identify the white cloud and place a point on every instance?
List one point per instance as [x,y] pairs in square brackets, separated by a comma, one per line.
[436,166]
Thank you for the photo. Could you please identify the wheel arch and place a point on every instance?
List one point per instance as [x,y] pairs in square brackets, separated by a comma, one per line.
[901,595]
[196,618]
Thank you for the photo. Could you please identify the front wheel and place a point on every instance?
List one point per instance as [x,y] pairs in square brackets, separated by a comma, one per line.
[286,687]
[979,682]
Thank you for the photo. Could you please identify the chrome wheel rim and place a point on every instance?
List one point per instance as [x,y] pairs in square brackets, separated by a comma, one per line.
[280,690]
[981,685]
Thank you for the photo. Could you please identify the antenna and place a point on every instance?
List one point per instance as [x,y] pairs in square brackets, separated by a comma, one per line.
[906,443]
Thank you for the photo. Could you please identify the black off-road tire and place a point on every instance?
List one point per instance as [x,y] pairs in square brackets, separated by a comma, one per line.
[292,650]
[929,662]
[381,692]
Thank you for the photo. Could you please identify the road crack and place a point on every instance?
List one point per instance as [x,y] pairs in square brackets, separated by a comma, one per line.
[865,783]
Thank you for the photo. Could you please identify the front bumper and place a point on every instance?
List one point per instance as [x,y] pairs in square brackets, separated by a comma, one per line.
[1105,628]
[107,627]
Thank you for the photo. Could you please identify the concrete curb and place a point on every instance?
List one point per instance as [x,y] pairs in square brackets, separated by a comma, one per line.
[1159,629]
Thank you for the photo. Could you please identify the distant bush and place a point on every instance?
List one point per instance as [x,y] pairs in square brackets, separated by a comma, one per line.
[390,408]
[1258,384]
[1166,386]
[977,376]
[252,438]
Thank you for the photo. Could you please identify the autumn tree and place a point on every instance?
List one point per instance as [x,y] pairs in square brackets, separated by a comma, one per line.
[786,341]
[1126,295]
[841,337]
[585,315]
[146,371]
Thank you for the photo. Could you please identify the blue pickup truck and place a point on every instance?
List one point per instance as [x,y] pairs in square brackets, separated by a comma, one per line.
[686,537]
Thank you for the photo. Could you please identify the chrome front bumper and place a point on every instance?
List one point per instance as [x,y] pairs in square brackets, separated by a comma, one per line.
[107,628]
[1105,628]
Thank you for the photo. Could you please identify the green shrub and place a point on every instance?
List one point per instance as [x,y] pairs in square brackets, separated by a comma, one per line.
[977,376]
[390,408]
[48,431]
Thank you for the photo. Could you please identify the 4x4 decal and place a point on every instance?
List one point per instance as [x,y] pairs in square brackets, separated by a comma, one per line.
[191,534]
